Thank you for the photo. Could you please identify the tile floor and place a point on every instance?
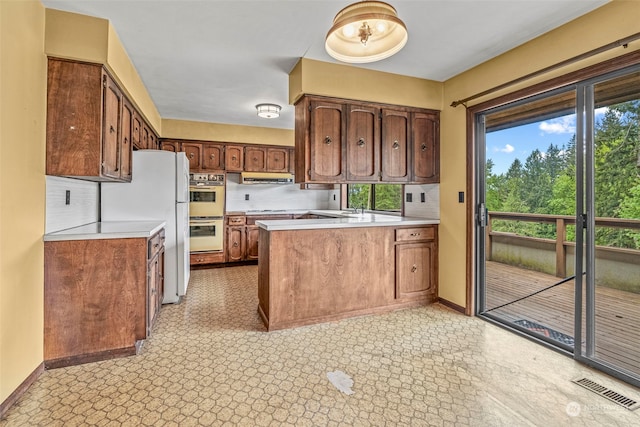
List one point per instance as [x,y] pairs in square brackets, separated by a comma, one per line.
[210,362]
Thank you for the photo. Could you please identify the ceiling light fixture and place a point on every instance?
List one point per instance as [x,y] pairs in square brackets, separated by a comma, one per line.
[268,111]
[366,31]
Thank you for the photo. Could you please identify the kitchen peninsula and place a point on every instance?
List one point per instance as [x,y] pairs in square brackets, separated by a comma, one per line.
[344,264]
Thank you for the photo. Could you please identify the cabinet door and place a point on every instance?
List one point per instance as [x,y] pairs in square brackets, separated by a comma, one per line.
[126,148]
[136,131]
[173,146]
[395,146]
[426,147]
[253,231]
[194,154]
[152,297]
[212,157]
[325,139]
[255,159]
[292,160]
[144,136]
[415,270]
[363,143]
[277,159]
[153,140]
[235,244]
[112,115]
[233,158]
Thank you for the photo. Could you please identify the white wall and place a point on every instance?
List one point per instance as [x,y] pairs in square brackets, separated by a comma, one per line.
[430,208]
[83,206]
[276,196]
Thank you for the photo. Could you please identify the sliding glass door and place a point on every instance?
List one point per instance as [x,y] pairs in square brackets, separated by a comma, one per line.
[609,300]
[558,219]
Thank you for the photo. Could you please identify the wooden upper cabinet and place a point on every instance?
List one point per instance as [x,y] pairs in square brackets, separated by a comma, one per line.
[395,146]
[325,141]
[277,159]
[255,159]
[125,136]
[292,160]
[363,143]
[426,147]
[212,157]
[153,140]
[112,116]
[194,154]
[169,145]
[233,158]
[136,131]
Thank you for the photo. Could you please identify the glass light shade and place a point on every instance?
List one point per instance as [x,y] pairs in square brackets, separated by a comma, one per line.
[375,33]
[268,111]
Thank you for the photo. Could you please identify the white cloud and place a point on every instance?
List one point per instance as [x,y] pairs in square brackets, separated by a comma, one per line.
[507,149]
[561,125]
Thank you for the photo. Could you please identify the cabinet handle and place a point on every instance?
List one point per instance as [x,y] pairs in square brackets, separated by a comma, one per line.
[361,142]
[125,141]
[233,157]
[395,145]
[191,155]
[111,129]
[327,140]
[213,156]
[423,147]
[235,244]
[414,234]
[414,268]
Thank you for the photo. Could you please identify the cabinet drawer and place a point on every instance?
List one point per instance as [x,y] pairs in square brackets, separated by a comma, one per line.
[155,244]
[236,220]
[251,220]
[414,234]
[199,258]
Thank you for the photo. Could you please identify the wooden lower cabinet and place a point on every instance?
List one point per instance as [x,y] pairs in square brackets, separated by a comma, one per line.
[236,244]
[252,236]
[101,296]
[416,262]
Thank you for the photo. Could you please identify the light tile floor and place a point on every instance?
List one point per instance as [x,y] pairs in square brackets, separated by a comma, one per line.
[210,362]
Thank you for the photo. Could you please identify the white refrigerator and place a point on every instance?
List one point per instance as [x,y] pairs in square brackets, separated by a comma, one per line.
[159,189]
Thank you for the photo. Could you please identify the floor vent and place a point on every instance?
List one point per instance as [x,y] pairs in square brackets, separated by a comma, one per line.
[613,396]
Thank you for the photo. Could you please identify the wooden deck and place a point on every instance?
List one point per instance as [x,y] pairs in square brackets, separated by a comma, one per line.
[617,312]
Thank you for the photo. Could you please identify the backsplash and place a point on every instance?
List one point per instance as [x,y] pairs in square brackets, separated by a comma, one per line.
[276,196]
[430,208]
[82,207]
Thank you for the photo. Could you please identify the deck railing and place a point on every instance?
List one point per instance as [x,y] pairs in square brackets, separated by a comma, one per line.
[561,243]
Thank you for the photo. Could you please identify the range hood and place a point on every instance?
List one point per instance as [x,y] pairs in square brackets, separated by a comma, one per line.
[266,178]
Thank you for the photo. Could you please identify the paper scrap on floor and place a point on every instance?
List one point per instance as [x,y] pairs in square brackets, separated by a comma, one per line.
[341,381]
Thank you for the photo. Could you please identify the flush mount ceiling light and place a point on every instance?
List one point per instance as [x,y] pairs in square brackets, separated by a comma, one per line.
[268,111]
[366,31]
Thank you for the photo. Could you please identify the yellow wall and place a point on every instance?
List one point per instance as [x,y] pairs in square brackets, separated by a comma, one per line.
[22,217]
[607,24]
[184,129]
[89,39]
[344,81]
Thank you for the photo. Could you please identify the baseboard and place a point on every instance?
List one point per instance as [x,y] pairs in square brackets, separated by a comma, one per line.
[452,305]
[22,388]
[92,357]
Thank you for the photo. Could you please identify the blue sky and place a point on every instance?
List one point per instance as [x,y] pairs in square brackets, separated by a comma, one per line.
[504,146]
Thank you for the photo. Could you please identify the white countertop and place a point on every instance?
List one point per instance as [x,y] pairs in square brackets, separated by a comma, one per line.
[344,219]
[107,230]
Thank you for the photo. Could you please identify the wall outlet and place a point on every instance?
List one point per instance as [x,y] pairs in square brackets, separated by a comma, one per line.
[409,197]
[423,197]
[246,197]
[67,197]
[461,197]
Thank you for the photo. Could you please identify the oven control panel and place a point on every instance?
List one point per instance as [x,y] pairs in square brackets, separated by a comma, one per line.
[206,179]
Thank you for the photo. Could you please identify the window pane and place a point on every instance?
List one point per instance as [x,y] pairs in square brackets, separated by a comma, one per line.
[359,196]
[388,197]
[379,197]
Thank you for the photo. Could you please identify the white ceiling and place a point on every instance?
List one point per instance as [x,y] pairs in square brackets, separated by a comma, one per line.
[214,60]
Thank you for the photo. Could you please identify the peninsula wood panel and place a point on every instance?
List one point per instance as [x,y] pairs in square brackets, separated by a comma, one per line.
[316,274]
[90,306]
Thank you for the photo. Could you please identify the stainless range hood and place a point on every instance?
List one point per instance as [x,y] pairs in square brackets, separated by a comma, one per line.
[266,178]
